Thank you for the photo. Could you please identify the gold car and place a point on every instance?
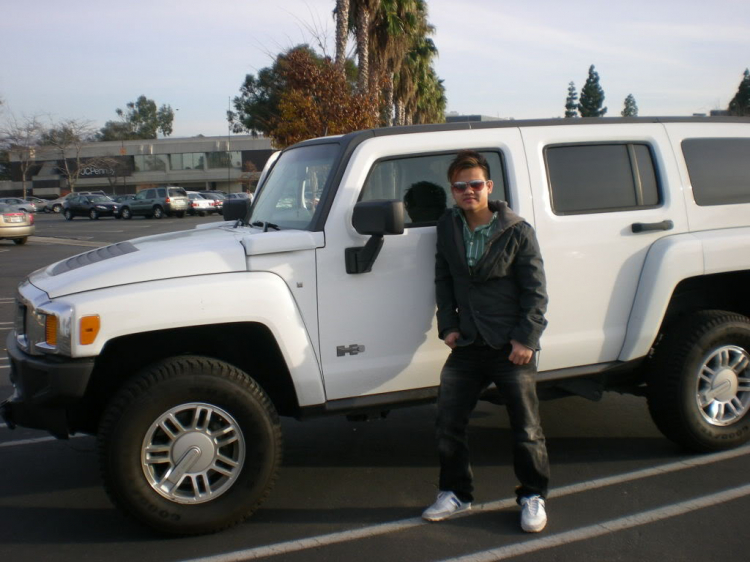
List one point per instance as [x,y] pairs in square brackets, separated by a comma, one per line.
[15,224]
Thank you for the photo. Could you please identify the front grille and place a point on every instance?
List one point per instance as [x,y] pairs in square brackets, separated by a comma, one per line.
[20,320]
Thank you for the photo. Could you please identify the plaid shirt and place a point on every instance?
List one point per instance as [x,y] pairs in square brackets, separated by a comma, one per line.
[475,242]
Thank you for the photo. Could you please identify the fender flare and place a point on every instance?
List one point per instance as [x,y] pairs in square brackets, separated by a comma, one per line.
[258,297]
[668,261]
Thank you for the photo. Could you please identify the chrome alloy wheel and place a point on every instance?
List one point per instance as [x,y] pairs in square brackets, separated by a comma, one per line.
[723,386]
[193,453]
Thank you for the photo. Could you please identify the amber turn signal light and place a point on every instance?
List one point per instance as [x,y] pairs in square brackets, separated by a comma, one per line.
[89,329]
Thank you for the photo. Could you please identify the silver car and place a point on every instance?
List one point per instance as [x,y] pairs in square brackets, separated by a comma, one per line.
[22,204]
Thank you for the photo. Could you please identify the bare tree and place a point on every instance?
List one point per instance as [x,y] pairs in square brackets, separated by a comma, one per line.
[21,137]
[67,139]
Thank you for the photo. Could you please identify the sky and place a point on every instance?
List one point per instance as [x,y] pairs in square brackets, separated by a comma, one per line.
[83,59]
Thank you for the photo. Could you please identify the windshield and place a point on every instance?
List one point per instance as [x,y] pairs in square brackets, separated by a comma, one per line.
[291,192]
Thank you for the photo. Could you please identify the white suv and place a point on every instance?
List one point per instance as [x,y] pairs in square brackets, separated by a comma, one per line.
[644,227]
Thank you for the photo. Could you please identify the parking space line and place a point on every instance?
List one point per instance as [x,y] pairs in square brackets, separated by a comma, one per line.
[404,524]
[608,527]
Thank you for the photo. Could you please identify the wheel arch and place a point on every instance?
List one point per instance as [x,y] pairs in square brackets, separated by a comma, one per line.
[250,347]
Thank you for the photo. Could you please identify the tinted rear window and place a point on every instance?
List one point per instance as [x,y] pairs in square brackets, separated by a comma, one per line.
[719,170]
[177,192]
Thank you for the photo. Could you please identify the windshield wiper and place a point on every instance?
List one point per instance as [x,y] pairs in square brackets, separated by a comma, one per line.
[266,225]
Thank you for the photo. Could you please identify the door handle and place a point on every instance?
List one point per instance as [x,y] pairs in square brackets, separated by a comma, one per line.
[651,226]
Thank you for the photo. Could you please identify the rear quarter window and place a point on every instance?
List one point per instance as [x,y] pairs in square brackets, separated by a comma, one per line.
[719,170]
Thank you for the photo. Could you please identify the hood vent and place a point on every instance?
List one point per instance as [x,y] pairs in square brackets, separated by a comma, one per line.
[94,256]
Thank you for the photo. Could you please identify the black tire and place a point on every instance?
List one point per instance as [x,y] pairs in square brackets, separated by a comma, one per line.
[20,241]
[182,386]
[126,214]
[56,208]
[93,215]
[158,212]
[180,214]
[710,412]
[68,215]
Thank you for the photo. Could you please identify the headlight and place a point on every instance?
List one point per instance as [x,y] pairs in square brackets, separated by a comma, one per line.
[101,207]
[54,331]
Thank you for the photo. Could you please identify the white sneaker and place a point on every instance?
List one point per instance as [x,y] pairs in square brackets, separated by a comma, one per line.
[533,514]
[446,505]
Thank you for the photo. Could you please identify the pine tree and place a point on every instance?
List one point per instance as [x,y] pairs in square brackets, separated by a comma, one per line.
[592,96]
[631,108]
[571,103]
[740,104]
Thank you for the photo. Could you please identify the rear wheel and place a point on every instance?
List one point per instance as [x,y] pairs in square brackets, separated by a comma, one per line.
[699,381]
[93,215]
[191,446]
[20,241]
[68,215]
[126,214]
[56,208]
[180,214]
[158,212]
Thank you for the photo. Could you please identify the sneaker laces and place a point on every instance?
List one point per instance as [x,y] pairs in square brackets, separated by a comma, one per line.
[533,504]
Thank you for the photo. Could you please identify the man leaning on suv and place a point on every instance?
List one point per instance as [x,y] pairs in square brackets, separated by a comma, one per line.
[491,299]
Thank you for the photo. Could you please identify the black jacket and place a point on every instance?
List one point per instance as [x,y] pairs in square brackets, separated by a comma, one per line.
[503,296]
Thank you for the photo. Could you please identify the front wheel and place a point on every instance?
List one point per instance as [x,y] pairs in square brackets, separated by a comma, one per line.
[191,446]
[699,382]
[93,215]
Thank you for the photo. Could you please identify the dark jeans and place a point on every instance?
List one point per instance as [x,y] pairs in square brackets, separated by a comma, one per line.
[467,372]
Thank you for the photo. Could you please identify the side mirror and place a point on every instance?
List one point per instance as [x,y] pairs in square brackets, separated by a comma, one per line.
[235,209]
[376,218]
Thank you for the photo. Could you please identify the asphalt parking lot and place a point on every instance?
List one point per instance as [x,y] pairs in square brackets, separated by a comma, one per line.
[354,491]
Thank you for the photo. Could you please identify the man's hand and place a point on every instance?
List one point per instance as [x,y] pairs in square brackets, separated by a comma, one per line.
[519,355]
[450,339]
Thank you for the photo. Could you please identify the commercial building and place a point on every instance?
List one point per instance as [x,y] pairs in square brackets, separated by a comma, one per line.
[229,163]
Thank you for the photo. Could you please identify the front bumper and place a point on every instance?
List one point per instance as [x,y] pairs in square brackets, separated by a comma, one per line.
[46,387]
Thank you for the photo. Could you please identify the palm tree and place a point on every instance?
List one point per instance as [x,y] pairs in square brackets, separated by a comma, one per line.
[411,78]
[341,14]
[361,16]
[397,24]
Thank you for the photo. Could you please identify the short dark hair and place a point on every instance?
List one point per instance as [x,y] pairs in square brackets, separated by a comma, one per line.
[467,159]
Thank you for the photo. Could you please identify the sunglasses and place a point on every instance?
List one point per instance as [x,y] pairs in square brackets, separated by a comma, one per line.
[476,185]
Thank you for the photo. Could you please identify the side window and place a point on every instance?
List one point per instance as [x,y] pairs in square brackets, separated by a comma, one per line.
[421,182]
[719,170]
[601,178]
[162,192]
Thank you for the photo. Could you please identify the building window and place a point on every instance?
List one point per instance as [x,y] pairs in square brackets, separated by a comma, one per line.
[150,162]
[187,161]
[225,160]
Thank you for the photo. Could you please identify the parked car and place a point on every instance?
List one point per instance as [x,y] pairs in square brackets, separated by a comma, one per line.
[22,204]
[156,202]
[217,199]
[91,206]
[122,198]
[200,205]
[241,195]
[15,224]
[41,204]
[56,205]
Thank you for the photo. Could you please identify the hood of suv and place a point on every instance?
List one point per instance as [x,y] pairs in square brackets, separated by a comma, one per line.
[164,256]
